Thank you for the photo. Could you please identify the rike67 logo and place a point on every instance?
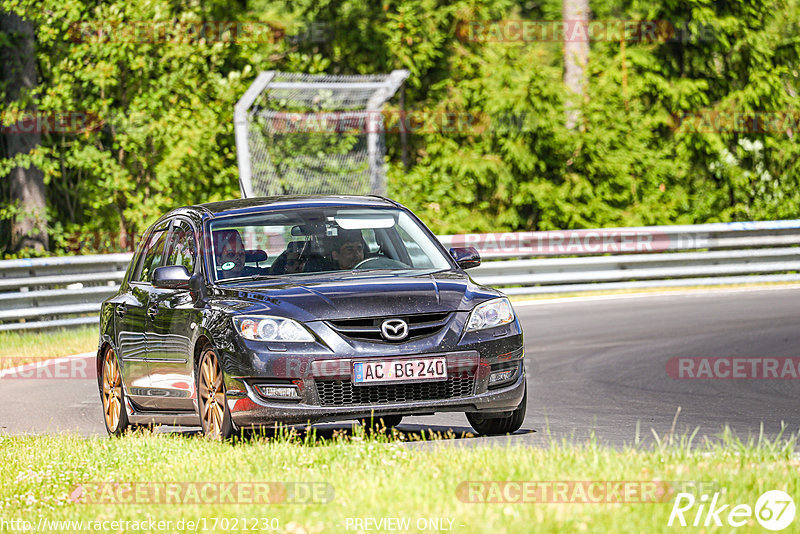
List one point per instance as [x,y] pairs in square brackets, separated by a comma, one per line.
[774,510]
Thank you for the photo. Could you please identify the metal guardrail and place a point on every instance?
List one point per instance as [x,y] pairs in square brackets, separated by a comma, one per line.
[67,291]
[50,292]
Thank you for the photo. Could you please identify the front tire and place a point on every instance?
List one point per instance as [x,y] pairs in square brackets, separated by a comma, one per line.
[215,417]
[493,426]
[380,422]
[113,396]
[391,421]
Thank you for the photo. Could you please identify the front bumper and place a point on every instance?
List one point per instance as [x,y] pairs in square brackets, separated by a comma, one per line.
[466,390]
[321,373]
[251,411]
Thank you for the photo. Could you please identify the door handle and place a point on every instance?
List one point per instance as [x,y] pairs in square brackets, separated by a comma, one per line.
[121,310]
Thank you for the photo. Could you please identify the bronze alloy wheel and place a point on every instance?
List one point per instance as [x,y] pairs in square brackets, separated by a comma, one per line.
[214,416]
[112,395]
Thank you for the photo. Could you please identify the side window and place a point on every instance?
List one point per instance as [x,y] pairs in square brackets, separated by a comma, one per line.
[182,246]
[137,257]
[151,255]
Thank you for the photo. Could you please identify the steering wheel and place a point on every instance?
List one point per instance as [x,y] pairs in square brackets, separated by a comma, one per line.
[380,262]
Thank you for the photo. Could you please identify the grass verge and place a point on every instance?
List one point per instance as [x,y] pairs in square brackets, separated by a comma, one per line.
[18,348]
[370,477]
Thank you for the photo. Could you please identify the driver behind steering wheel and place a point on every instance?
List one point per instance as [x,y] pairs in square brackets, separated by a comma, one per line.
[349,249]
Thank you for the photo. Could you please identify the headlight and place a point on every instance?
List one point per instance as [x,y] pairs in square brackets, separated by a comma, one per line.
[491,313]
[268,328]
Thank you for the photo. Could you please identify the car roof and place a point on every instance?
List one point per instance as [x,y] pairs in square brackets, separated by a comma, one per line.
[248,205]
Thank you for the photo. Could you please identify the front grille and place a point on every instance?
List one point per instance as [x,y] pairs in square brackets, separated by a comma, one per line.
[369,328]
[344,393]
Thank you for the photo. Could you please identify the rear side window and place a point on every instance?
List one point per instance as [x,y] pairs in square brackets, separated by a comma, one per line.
[182,246]
[152,254]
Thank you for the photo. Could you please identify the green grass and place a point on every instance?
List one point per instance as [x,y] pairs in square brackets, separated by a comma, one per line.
[17,348]
[382,477]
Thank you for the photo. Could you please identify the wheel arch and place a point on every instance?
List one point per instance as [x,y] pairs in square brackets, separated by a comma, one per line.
[203,340]
[105,345]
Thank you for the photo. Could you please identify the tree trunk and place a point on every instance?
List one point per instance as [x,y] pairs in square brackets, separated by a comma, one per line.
[26,185]
[576,55]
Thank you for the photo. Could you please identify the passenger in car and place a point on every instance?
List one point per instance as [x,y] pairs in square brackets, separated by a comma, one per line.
[230,253]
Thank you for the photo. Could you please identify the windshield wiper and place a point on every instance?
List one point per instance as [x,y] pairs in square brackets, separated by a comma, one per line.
[250,278]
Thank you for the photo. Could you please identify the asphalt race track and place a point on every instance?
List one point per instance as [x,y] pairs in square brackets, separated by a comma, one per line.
[594,366]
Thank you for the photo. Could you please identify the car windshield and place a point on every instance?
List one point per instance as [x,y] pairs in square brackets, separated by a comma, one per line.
[307,241]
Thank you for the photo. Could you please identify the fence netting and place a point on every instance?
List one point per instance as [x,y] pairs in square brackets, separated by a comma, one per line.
[317,134]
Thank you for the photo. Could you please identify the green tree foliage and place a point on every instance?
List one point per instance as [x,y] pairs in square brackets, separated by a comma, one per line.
[157,132]
[489,147]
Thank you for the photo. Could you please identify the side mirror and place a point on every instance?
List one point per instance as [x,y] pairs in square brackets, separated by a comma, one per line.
[171,277]
[467,257]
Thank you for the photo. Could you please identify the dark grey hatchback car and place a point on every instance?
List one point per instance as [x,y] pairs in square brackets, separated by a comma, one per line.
[293,310]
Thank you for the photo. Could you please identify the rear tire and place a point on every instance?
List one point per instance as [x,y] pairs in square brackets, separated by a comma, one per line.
[215,417]
[493,426]
[113,395]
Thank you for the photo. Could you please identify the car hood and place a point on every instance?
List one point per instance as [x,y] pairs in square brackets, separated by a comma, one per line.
[362,295]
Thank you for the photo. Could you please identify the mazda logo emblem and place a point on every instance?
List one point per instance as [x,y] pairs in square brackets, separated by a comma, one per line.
[394,329]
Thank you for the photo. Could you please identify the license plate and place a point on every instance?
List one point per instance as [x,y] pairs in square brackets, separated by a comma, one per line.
[416,369]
